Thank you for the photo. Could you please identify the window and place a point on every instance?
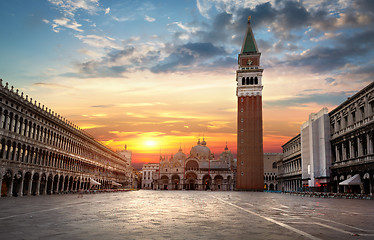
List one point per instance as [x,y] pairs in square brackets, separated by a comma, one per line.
[372,106]
[242,99]
[256,80]
[362,110]
[353,117]
[241,120]
[274,165]
[247,81]
[241,110]
[243,81]
[346,121]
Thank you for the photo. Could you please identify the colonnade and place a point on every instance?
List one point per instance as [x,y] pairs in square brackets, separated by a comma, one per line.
[354,146]
[43,153]
[291,185]
[177,182]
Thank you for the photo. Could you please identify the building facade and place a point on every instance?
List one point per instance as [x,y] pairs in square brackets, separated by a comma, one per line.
[43,153]
[316,151]
[333,147]
[148,173]
[352,141]
[127,154]
[197,171]
[271,170]
[290,166]
[250,164]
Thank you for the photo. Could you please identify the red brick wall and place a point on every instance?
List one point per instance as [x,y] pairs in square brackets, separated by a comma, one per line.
[255,61]
[250,146]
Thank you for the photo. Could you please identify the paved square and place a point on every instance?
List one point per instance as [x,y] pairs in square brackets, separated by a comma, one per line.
[185,215]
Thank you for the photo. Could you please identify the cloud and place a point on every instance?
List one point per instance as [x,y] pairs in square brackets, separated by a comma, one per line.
[187,54]
[51,85]
[65,22]
[326,36]
[103,106]
[330,58]
[98,41]
[331,81]
[107,10]
[141,104]
[328,98]
[68,9]
[204,7]
[70,6]
[149,19]
[185,27]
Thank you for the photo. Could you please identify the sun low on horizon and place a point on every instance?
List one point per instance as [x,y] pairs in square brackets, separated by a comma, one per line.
[158,76]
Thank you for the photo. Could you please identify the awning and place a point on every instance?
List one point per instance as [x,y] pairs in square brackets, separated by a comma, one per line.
[93,182]
[355,180]
[116,183]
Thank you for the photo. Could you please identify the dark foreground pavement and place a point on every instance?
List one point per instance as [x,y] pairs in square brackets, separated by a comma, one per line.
[185,215]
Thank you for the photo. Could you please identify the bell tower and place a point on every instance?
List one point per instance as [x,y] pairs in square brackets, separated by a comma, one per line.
[250,154]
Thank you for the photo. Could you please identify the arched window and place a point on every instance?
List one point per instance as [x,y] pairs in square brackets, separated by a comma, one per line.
[243,81]
[251,82]
[256,80]
[247,81]
[274,164]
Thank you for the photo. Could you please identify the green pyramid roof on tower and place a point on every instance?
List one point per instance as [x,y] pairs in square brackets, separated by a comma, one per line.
[249,45]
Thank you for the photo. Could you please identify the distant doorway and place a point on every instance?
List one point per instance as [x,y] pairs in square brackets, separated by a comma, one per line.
[192,185]
[191,178]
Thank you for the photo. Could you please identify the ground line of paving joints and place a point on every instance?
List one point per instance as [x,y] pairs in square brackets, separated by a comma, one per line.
[271,220]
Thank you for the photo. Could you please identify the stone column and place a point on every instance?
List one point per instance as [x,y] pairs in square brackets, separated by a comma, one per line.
[9,127]
[20,191]
[45,185]
[1,180]
[18,126]
[337,153]
[2,120]
[51,191]
[368,144]
[63,185]
[10,190]
[359,145]
[38,186]
[30,186]
[21,127]
[344,151]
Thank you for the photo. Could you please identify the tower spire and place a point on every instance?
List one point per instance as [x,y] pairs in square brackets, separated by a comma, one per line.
[249,43]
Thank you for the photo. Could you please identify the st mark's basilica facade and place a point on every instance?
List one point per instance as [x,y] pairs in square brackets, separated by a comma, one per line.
[196,171]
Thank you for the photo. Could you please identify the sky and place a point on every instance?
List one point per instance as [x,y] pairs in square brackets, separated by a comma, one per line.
[159,75]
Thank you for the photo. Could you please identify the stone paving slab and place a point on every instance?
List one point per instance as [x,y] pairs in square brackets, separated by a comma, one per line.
[184,215]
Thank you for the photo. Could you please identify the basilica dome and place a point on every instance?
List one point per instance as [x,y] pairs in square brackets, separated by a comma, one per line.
[179,155]
[201,151]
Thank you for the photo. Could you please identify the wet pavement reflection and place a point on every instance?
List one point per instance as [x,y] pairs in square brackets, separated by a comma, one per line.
[185,215]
